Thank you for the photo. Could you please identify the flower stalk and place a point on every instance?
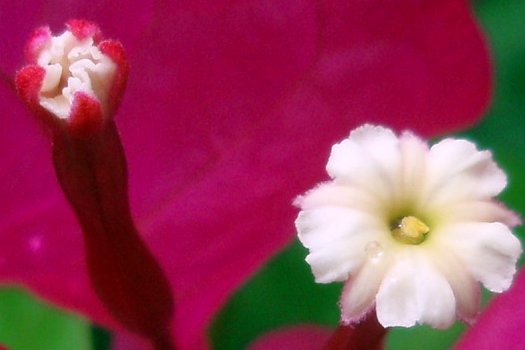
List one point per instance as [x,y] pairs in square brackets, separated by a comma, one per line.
[93,176]
[368,334]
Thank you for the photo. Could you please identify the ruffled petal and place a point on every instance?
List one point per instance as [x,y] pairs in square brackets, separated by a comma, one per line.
[413,291]
[458,170]
[466,289]
[337,239]
[332,194]
[489,251]
[413,167]
[369,159]
[359,293]
[478,211]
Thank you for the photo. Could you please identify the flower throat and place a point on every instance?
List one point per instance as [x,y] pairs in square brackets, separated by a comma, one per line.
[410,230]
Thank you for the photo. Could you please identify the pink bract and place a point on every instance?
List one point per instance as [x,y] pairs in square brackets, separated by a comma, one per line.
[230,112]
[500,326]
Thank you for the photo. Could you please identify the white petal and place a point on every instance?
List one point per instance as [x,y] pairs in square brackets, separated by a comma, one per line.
[335,263]
[369,158]
[478,211]
[331,194]
[457,170]
[414,166]
[415,292]
[489,251]
[359,293]
[466,289]
[323,226]
[337,239]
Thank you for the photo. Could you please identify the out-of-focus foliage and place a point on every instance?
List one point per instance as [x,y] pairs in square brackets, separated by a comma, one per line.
[27,323]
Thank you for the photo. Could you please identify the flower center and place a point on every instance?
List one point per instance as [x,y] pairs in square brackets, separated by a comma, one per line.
[410,230]
[72,66]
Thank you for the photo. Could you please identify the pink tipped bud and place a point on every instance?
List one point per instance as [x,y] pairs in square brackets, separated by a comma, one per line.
[85,115]
[83,29]
[40,39]
[114,50]
[74,83]
[75,79]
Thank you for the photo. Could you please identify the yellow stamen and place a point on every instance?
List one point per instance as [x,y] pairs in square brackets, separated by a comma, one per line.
[410,230]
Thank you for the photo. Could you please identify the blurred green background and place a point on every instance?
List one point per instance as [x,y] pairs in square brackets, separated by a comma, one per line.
[283,292]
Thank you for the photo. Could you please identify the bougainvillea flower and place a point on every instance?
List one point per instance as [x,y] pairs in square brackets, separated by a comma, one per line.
[74,82]
[412,229]
[227,107]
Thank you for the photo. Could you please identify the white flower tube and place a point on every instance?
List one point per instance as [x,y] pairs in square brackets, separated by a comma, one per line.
[412,230]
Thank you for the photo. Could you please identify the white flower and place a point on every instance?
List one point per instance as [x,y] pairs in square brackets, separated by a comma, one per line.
[412,230]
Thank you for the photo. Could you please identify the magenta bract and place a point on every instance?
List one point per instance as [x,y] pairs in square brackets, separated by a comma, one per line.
[230,112]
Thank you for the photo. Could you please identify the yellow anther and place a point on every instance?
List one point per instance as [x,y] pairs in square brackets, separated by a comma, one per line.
[410,230]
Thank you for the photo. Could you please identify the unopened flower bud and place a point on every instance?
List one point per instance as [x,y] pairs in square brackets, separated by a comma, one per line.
[74,79]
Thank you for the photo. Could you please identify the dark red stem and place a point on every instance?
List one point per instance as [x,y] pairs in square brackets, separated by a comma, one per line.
[367,335]
[126,276]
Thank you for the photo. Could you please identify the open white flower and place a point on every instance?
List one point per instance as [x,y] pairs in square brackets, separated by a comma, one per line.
[412,230]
